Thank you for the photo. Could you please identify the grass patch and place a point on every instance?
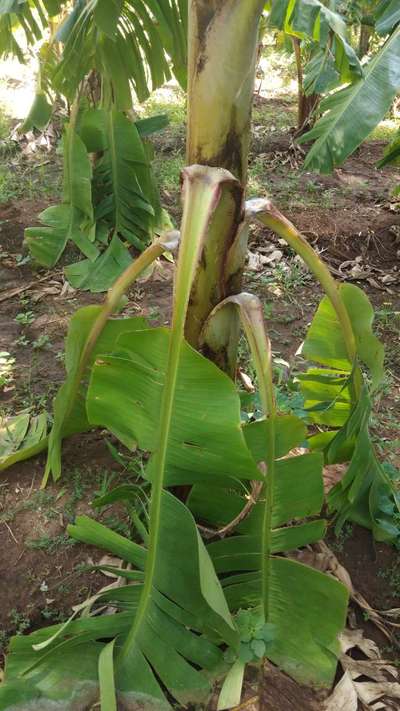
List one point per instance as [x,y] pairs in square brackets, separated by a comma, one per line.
[4,126]
[30,181]
[167,172]
[169,100]
[385,131]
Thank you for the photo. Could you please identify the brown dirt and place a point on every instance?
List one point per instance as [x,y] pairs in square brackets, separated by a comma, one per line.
[39,585]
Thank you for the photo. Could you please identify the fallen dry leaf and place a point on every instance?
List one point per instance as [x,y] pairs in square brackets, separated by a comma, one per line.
[110,561]
[371,682]
[332,474]
[344,697]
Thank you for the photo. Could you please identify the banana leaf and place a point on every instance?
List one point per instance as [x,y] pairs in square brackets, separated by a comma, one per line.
[21,437]
[69,404]
[74,218]
[117,37]
[31,17]
[350,114]
[122,182]
[337,397]
[387,16]
[63,667]
[133,380]
[292,593]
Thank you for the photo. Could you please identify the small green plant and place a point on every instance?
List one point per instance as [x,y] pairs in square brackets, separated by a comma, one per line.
[391,576]
[341,537]
[22,341]
[25,318]
[19,621]
[7,363]
[42,342]
[50,544]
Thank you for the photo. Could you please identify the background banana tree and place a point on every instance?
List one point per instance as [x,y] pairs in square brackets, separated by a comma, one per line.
[352,112]
[126,49]
[322,48]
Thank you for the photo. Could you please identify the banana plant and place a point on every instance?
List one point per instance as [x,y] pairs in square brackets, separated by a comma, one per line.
[352,112]
[339,396]
[32,16]
[366,494]
[254,559]
[324,55]
[178,594]
[105,209]
[110,200]
[185,412]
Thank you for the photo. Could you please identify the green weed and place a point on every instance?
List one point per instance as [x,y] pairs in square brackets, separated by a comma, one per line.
[19,621]
[167,172]
[25,318]
[341,538]
[50,544]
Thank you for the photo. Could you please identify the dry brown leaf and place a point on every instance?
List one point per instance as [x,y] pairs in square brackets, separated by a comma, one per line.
[48,291]
[371,682]
[377,670]
[111,561]
[332,474]
[369,692]
[344,696]
[350,639]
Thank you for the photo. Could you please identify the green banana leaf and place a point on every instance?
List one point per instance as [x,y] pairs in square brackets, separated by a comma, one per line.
[68,666]
[117,37]
[350,114]
[69,404]
[21,437]
[333,59]
[92,127]
[100,275]
[31,17]
[387,16]
[133,380]
[295,593]
[366,493]
[392,152]
[122,182]
[39,114]
[74,218]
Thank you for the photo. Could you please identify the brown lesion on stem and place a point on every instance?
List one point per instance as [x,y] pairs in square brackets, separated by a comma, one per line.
[214,280]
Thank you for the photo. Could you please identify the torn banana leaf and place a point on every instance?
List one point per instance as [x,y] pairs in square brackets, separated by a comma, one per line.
[69,404]
[63,667]
[21,437]
[100,275]
[73,219]
[132,380]
[292,593]
[337,397]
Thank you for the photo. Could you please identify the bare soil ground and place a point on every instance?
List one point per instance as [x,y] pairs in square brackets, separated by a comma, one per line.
[351,218]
